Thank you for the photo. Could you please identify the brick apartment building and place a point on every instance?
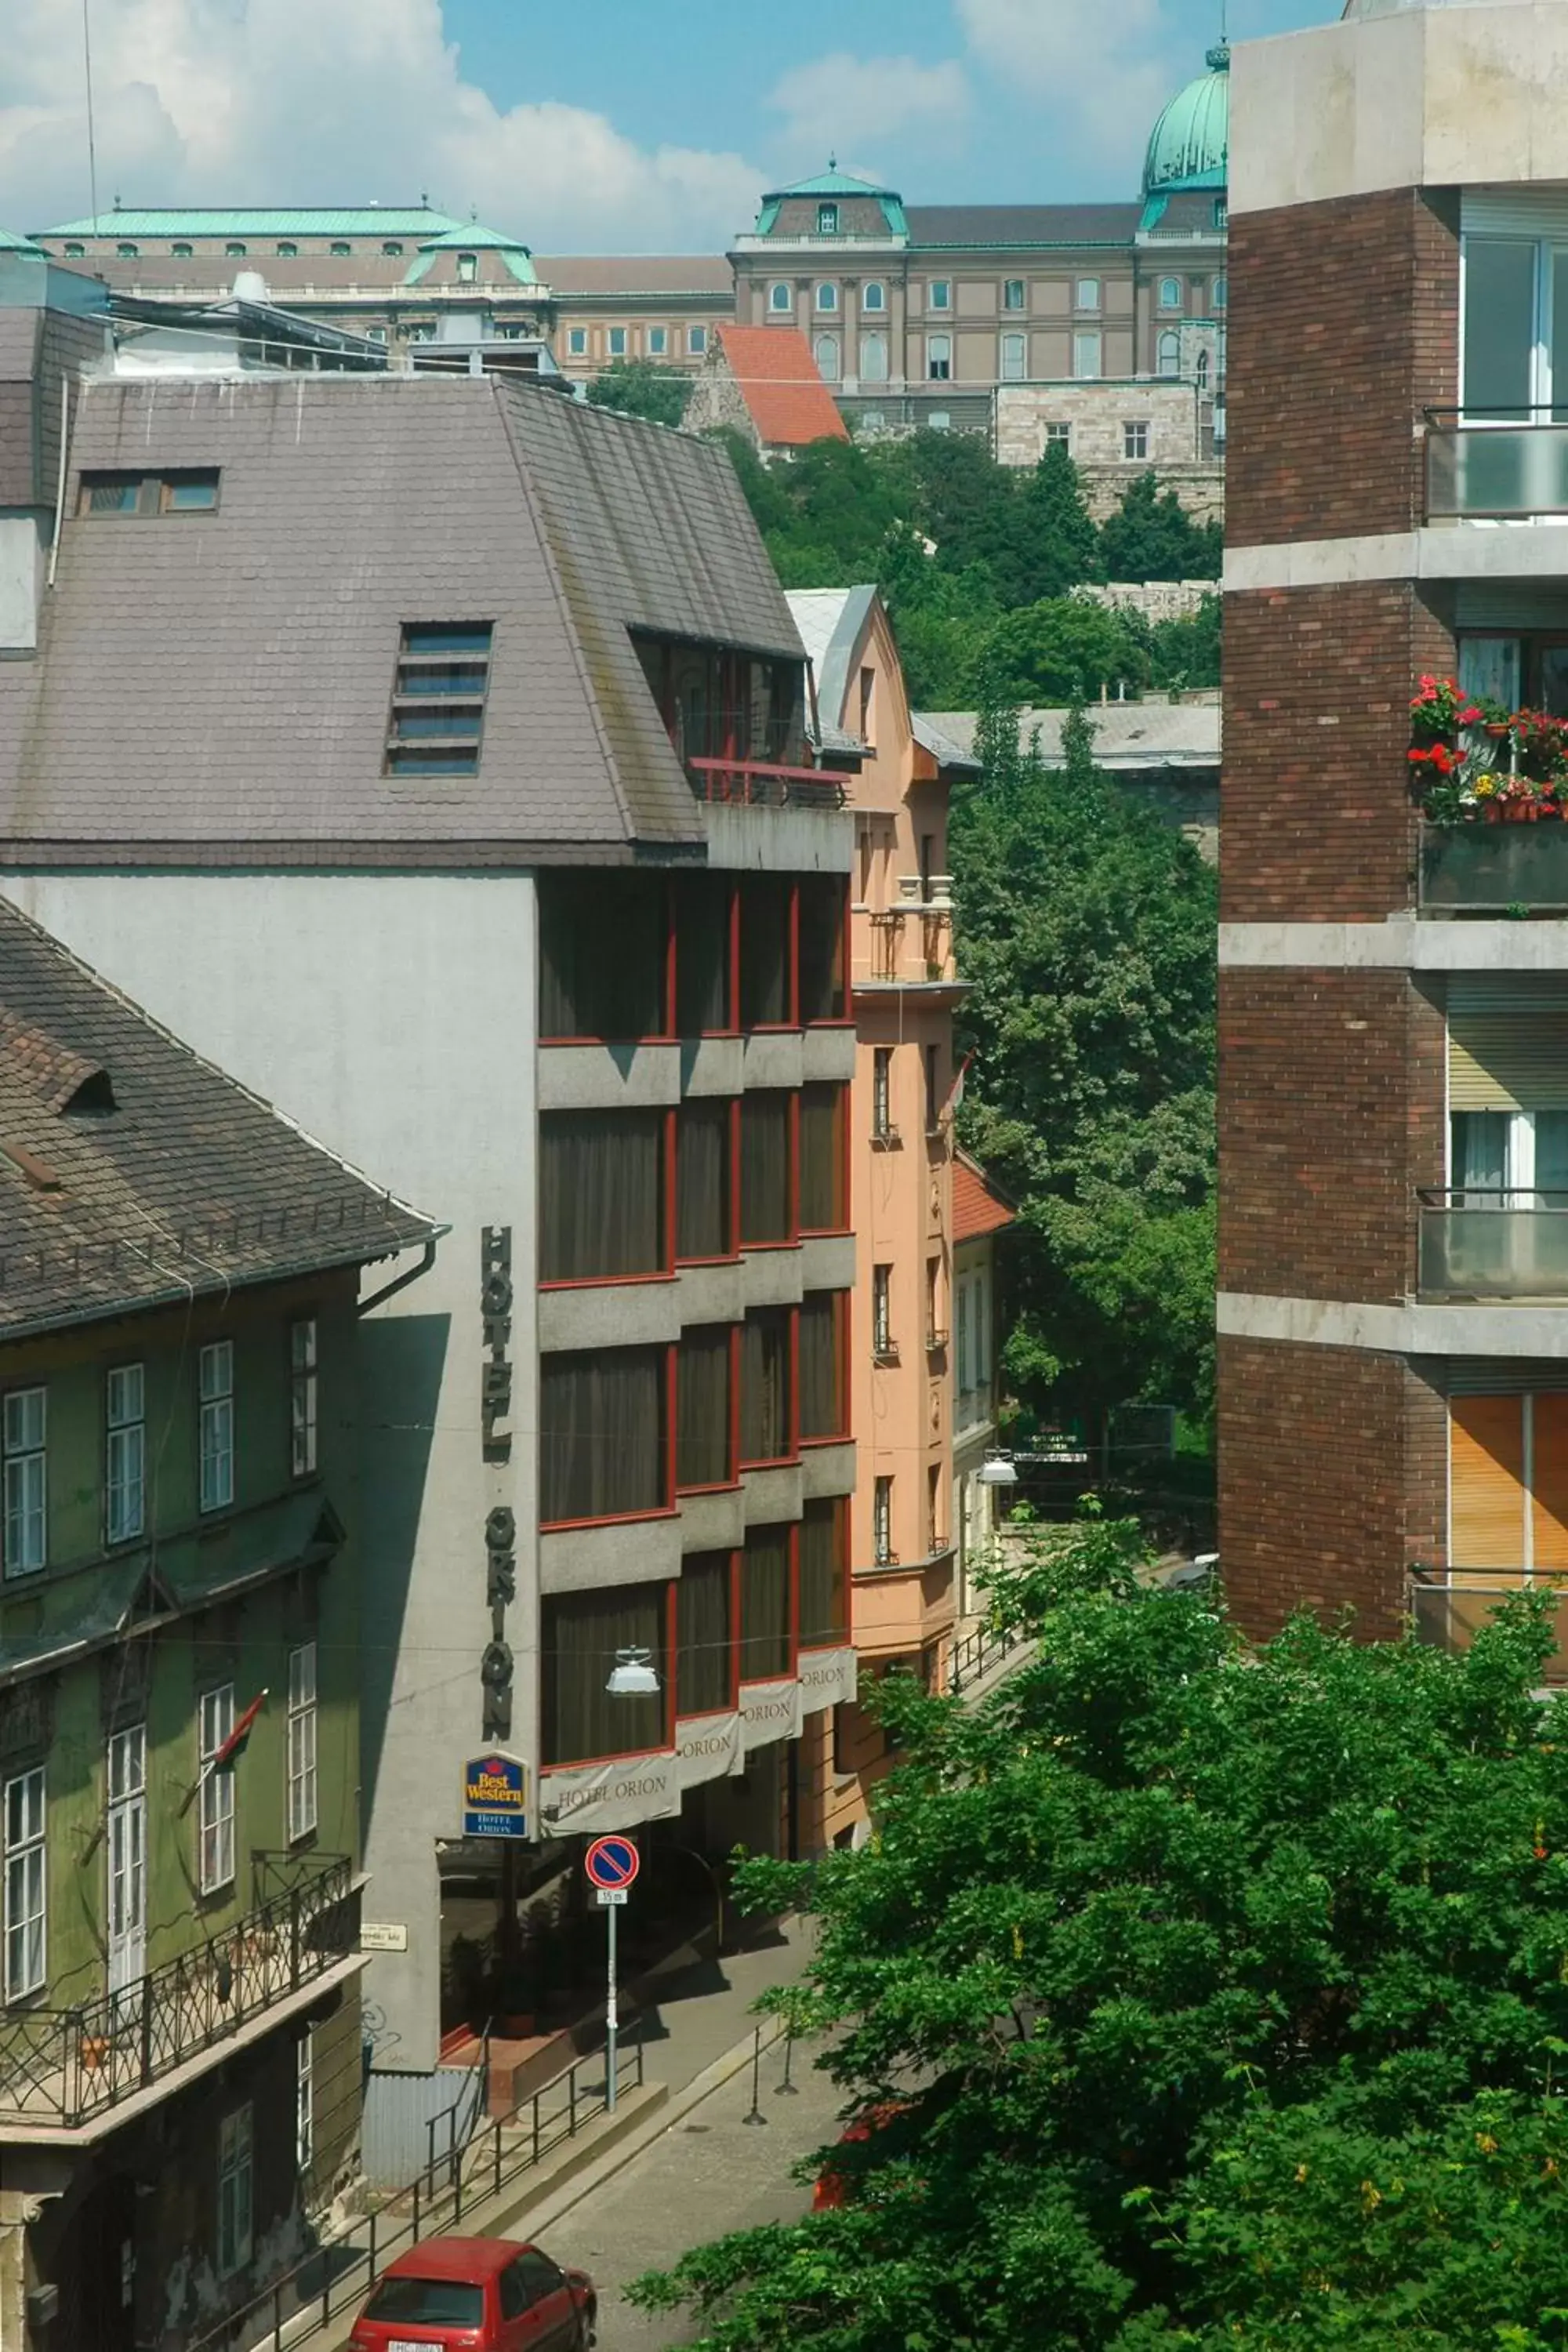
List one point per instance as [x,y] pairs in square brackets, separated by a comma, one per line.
[1393,1077]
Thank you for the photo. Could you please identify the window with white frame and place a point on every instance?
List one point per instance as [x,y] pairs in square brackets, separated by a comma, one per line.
[826,220]
[1013,294]
[235,2202]
[1135,437]
[26,1885]
[657,342]
[1058,434]
[1086,353]
[781,298]
[1170,293]
[1015,358]
[577,342]
[939,295]
[827,296]
[873,295]
[302,1373]
[874,358]
[1086,294]
[26,1480]
[125,1454]
[1514,336]
[697,341]
[825,350]
[618,342]
[1221,294]
[215,1375]
[305,2101]
[939,358]
[215,1804]
[302,1742]
[1168,353]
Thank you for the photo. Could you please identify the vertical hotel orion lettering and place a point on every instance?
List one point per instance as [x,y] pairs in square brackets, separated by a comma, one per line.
[500,1527]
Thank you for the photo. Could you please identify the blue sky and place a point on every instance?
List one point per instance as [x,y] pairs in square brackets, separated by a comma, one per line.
[629,125]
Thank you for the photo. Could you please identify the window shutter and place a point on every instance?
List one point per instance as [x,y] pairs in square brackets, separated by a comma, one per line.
[1523,211]
[1548,1477]
[1485,1464]
[1508,1042]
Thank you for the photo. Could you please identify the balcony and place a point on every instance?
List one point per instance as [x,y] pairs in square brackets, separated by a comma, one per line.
[1493,1244]
[62,2068]
[1494,869]
[1495,472]
[759,784]
[1449,1611]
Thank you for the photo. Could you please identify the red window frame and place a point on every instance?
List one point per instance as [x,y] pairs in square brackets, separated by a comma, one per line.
[669,1508]
[664,1036]
[791,1236]
[667,1272]
[841,1313]
[845,1159]
[791,1403]
[733,1436]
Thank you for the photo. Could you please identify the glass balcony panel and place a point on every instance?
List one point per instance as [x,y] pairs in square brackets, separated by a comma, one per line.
[1496,470]
[1495,1245]
[1476,868]
[1448,1615]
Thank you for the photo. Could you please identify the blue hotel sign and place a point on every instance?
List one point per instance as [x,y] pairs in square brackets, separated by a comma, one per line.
[494,1797]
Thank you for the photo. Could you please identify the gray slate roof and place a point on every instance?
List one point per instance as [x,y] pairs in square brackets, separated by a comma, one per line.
[1128,736]
[133,1172]
[213,685]
[1004,225]
[636,273]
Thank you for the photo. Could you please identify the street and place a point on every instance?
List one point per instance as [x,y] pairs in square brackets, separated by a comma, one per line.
[709,2173]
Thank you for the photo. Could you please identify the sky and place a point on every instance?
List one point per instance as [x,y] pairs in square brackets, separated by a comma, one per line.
[607,126]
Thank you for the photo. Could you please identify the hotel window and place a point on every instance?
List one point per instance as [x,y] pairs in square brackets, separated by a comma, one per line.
[766,979]
[618,342]
[302,1378]
[702,1443]
[882,1552]
[824,1169]
[873,295]
[824,1410]
[882,1128]
[215,1799]
[697,341]
[883,1347]
[1013,294]
[215,1425]
[825,350]
[1086,353]
[125,1454]
[601,1195]
[939,295]
[704,1659]
[26,1480]
[703,1208]
[580,1635]
[1135,438]
[781,298]
[1086,294]
[825,1573]
[764,1605]
[467,268]
[26,1889]
[235,2192]
[657,342]
[602,1434]
[939,358]
[584,992]
[1168,353]
[577,342]
[873,360]
[766,1205]
[702,911]
[1221,293]
[822,944]
[1015,358]
[826,220]
[827,296]
[302,1742]
[767,1423]
[438,694]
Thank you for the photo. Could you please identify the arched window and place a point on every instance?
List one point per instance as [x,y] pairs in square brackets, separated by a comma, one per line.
[873,295]
[873,359]
[780,298]
[126,252]
[391,245]
[1169,359]
[74,252]
[1219,293]
[341,247]
[182,252]
[827,296]
[1170,293]
[826,351]
[286,249]
[1202,370]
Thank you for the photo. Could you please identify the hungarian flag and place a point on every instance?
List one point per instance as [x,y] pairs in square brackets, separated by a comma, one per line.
[233,1746]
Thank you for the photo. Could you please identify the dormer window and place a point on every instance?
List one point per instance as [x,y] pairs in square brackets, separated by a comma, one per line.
[826,220]
[342,247]
[235,250]
[438,698]
[74,252]
[286,251]
[392,247]
[126,252]
[467,268]
[187,492]
[182,252]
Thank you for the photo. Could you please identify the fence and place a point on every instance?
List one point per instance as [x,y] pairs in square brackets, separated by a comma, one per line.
[452,2180]
[972,1657]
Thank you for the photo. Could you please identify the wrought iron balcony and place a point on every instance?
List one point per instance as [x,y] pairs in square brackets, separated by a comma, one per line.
[764,783]
[62,2067]
[1449,1611]
[1493,1243]
[1513,464]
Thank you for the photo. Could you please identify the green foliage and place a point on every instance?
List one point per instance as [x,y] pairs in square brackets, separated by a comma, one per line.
[1185,653]
[1086,928]
[1209,2001]
[642,388]
[1066,649]
[1152,537]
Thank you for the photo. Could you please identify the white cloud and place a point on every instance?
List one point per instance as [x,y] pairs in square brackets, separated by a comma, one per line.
[1106,68]
[834,103]
[329,101]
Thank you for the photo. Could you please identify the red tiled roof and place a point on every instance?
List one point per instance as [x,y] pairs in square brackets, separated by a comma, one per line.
[790,403]
[977,1207]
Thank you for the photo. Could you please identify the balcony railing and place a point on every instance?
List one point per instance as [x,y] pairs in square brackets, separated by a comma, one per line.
[1449,1611]
[1514,465]
[62,2067]
[1493,1243]
[761,784]
[1494,869]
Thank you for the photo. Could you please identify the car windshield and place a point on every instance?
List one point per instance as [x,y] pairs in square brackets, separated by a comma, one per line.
[434,2302]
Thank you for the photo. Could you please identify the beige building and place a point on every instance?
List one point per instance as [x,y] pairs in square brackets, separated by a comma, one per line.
[662,308]
[1114,431]
[980,1213]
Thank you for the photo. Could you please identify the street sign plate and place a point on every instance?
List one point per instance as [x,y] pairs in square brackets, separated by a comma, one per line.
[494,1797]
[609,1895]
[612,1862]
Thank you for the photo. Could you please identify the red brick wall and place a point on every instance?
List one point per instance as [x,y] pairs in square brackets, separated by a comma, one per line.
[1330,1114]
[1316,817]
[1343,330]
[1330,1483]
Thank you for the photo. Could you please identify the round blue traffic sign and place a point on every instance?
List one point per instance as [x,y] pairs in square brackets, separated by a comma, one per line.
[612,1862]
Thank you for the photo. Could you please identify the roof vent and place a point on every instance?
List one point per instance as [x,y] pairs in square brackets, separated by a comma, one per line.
[38,1172]
[92,1098]
[56,1074]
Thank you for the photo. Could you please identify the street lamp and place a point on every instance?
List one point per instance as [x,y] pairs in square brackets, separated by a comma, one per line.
[996,1471]
[633,1675]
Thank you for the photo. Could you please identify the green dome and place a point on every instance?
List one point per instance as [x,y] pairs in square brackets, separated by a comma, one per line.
[1187,145]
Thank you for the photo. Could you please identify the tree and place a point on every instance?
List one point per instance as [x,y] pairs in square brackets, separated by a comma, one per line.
[1065,649]
[1186,653]
[1199,1999]
[1151,536]
[642,388]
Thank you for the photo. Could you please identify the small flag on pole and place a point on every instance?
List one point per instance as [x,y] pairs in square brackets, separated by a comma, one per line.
[956,1097]
[224,1754]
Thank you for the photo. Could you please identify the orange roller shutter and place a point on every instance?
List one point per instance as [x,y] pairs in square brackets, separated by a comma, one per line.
[1485,1455]
[1549,1502]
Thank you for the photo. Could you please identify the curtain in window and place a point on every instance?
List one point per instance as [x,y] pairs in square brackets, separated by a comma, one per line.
[601,1195]
[703,1607]
[822,1411]
[580,1634]
[823,1616]
[701,953]
[702,1179]
[764,1169]
[702,1407]
[764,1605]
[764,1385]
[602,1442]
[821,947]
[822,1208]
[764,952]
[589,987]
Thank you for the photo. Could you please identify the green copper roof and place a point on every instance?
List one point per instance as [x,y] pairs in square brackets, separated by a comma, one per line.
[835,182]
[11,243]
[470,236]
[373,220]
[1187,145]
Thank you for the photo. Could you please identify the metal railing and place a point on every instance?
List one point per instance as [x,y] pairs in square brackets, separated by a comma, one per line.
[338,2276]
[976,1653]
[1509,466]
[764,783]
[1493,1242]
[62,2067]
[1449,1611]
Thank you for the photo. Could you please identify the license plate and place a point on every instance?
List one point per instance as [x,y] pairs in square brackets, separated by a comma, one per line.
[407,2344]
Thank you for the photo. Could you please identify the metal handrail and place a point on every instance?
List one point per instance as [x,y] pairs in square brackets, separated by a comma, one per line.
[339,2274]
[764,783]
[971,1659]
[1540,1199]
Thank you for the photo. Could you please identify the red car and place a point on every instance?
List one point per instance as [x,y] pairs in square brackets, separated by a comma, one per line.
[477,2295]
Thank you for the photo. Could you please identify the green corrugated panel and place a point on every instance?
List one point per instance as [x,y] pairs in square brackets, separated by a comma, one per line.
[375,222]
[11,243]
